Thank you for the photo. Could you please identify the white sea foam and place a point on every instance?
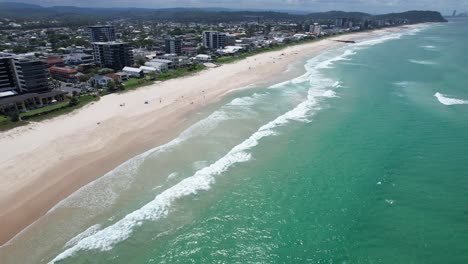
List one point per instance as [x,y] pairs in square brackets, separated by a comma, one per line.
[172,175]
[337,84]
[403,84]
[384,38]
[429,47]
[330,94]
[154,189]
[449,101]
[203,179]
[103,192]
[422,62]
[245,101]
[327,64]
[88,232]
[418,29]
[390,36]
[197,165]
[312,75]
[279,85]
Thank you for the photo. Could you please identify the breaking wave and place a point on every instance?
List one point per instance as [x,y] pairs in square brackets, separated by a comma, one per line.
[422,62]
[429,47]
[449,101]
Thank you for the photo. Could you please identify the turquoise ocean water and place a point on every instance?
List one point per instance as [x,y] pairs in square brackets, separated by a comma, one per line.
[362,159]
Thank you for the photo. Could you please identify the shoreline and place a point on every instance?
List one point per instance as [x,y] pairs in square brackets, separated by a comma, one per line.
[59,156]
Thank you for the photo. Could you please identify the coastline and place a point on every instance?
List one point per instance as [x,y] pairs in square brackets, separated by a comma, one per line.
[61,155]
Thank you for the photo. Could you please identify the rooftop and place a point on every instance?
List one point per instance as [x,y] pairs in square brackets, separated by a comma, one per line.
[110,43]
[131,69]
[100,26]
[63,69]
[20,98]
[54,60]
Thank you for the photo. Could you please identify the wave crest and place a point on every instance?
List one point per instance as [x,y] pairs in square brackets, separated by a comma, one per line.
[449,101]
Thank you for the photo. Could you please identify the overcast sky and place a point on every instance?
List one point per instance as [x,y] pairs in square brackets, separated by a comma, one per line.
[372,6]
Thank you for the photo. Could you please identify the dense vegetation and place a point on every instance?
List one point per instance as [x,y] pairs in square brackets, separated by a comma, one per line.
[416,16]
[81,16]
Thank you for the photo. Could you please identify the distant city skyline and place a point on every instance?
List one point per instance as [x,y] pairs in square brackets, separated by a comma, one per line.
[446,7]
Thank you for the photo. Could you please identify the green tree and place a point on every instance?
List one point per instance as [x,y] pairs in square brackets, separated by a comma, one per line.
[267,29]
[121,87]
[74,101]
[84,78]
[151,76]
[140,60]
[111,86]
[299,27]
[202,49]
[177,32]
[250,31]
[15,117]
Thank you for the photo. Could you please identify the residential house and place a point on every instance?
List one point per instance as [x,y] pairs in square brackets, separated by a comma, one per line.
[100,80]
[177,61]
[203,58]
[133,72]
[159,66]
[118,77]
[189,51]
[167,64]
[148,70]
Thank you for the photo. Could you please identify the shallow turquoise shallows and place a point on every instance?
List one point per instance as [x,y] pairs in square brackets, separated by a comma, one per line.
[362,159]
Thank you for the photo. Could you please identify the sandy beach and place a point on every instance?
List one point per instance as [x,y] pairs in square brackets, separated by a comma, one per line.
[43,163]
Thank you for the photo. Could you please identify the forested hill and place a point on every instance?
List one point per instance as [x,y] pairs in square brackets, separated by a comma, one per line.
[28,12]
[415,16]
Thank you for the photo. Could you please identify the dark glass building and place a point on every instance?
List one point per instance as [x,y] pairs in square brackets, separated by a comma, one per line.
[102,33]
[115,55]
[7,74]
[173,46]
[31,75]
[214,39]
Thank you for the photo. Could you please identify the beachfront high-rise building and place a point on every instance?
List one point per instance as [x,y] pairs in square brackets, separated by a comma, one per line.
[31,88]
[31,75]
[315,29]
[7,74]
[341,22]
[102,33]
[173,46]
[23,75]
[115,55]
[214,39]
